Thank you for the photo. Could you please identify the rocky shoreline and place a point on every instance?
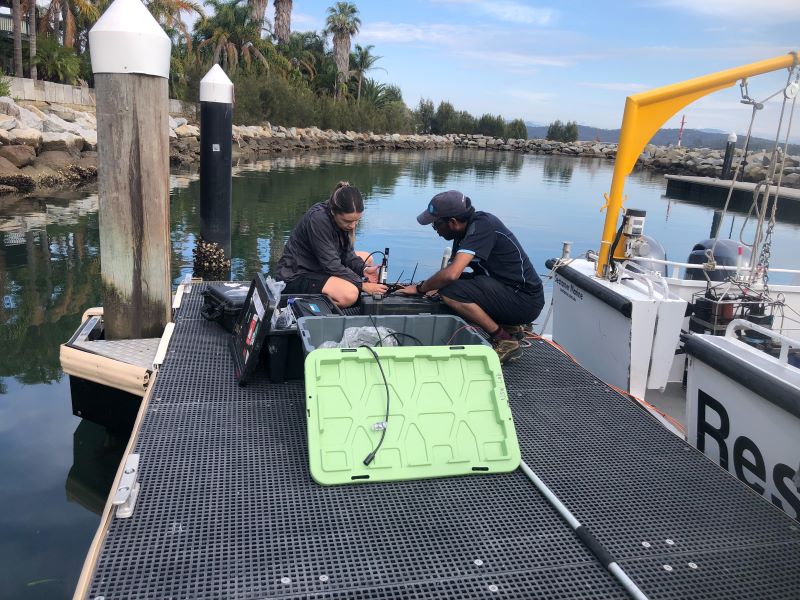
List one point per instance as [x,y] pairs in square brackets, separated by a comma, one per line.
[55,146]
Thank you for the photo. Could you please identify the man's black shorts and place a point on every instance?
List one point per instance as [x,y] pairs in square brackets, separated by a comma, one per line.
[309,283]
[504,304]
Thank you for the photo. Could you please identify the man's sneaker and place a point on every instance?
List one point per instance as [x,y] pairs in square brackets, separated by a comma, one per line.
[507,350]
[517,332]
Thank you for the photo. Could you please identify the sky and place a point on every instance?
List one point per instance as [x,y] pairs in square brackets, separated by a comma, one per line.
[573,59]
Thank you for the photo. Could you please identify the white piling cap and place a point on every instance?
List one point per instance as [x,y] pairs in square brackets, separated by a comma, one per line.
[127,39]
[732,138]
[216,87]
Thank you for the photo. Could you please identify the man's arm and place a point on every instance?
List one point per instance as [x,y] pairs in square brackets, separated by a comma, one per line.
[444,277]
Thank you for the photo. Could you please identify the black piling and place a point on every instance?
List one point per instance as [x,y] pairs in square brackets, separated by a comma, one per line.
[216,126]
[727,162]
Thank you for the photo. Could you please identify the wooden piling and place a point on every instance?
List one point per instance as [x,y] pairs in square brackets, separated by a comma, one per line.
[133,184]
[130,60]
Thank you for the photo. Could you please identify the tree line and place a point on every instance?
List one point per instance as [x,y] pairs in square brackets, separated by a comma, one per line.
[446,119]
[562,132]
[292,78]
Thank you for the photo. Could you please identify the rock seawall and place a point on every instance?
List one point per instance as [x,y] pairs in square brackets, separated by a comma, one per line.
[51,145]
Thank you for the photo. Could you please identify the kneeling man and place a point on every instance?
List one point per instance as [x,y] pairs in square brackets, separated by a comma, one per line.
[503,292]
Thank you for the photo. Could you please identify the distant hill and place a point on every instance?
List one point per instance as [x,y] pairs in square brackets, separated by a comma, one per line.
[692,138]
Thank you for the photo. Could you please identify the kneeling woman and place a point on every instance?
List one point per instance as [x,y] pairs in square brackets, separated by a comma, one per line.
[319,256]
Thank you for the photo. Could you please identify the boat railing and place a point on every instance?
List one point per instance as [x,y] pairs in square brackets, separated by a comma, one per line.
[649,279]
[785,342]
[677,265]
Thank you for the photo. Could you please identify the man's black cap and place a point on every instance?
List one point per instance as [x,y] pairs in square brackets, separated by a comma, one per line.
[445,205]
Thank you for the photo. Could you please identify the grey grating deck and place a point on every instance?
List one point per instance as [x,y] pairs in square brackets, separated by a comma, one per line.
[228,509]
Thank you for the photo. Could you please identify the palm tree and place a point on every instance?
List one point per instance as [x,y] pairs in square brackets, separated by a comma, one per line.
[87,12]
[257,10]
[283,20]
[169,14]
[16,21]
[231,33]
[32,37]
[379,95]
[343,23]
[363,61]
[299,50]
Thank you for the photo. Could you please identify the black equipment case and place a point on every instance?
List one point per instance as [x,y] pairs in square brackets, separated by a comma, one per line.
[398,304]
[223,303]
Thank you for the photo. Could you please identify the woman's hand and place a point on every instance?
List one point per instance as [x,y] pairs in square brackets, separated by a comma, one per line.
[374,288]
[371,273]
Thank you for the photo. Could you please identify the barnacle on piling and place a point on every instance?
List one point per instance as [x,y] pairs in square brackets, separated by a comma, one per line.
[210,262]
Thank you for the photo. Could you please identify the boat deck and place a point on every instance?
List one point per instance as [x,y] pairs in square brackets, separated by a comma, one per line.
[227,507]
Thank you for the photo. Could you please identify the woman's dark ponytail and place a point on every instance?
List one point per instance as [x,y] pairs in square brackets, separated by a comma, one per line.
[346,199]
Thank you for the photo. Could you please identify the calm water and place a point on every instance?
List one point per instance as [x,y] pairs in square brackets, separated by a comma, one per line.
[55,470]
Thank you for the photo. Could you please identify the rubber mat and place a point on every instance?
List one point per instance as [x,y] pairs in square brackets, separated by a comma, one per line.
[447,410]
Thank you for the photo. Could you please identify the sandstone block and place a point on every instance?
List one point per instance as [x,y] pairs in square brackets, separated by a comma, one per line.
[7,122]
[18,155]
[55,159]
[26,136]
[12,176]
[8,107]
[29,119]
[67,142]
[55,124]
[187,131]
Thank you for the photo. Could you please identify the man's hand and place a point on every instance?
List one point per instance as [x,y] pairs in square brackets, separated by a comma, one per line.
[374,288]
[409,290]
[371,273]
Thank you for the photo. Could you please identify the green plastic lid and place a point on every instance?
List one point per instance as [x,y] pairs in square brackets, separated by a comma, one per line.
[448,414]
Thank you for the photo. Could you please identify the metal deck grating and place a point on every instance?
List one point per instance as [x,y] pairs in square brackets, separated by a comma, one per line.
[649,497]
[228,509]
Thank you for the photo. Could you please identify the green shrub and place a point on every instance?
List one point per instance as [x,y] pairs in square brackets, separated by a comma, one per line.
[5,86]
[55,62]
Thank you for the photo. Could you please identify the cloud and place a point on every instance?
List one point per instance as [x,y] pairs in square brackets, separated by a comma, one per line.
[303,22]
[765,11]
[619,87]
[532,97]
[507,10]
[516,61]
[452,38]
[407,33]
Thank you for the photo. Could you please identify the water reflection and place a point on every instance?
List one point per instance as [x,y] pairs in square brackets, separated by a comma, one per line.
[96,454]
[787,210]
[557,169]
[49,274]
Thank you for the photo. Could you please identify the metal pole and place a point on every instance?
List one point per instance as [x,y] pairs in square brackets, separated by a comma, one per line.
[585,535]
[130,59]
[727,162]
[216,129]
[716,221]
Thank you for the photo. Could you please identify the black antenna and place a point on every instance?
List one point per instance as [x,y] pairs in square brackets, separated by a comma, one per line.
[414,273]
[398,279]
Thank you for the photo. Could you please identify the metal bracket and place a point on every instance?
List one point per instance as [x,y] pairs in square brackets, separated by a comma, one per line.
[128,490]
